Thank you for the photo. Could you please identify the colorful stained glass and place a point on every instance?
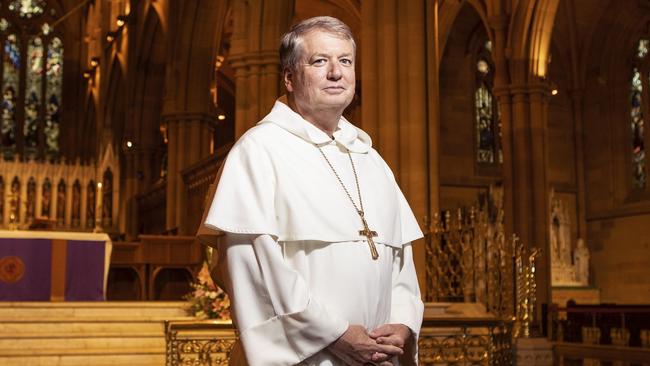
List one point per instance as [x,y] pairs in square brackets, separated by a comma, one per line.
[33,92]
[482,66]
[484,125]
[642,48]
[486,110]
[4,24]
[27,8]
[636,117]
[54,83]
[11,66]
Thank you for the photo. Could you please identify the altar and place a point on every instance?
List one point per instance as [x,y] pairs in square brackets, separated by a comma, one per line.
[53,266]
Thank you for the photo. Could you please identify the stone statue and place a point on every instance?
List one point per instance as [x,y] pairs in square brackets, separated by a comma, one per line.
[581,262]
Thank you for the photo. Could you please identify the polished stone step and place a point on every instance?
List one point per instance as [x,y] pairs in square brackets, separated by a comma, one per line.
[49,343]
[93,310]
[85,333]
[146,357]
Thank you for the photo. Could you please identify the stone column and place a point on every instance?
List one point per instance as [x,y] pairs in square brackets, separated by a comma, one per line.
[257,80]
[254,56]
[501,90]
[394,99]
[539,96]
[190,135]
[130,191]
[576,98]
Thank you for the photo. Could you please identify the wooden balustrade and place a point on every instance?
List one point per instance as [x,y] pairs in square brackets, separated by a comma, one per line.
[158,267]
[592,334]
[198,179]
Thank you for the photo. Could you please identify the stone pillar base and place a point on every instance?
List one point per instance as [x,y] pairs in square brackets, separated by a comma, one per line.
[534,352]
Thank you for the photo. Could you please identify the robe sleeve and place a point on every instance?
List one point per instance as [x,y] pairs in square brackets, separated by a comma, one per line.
[406,304]
[279,321]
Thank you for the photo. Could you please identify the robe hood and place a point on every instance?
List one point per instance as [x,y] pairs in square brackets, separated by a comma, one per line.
[348,135]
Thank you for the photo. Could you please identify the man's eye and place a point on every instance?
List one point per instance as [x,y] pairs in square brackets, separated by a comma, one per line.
[346,61]
[319,62]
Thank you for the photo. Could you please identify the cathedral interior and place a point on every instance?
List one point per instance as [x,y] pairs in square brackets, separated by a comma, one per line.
[514,117]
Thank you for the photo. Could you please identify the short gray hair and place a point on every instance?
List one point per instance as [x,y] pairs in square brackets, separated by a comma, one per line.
[291,44]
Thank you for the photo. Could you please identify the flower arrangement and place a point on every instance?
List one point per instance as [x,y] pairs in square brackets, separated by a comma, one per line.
[207,300]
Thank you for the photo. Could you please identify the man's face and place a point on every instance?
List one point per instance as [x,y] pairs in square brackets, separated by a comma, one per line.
[324,77]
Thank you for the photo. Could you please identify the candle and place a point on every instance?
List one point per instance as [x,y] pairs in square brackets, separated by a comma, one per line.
[98,210]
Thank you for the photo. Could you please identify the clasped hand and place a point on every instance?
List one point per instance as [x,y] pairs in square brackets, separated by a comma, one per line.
[358,347]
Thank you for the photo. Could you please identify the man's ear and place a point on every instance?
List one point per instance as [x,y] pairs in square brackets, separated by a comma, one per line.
[288,80]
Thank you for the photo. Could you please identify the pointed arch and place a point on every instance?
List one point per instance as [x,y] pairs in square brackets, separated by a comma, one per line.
[114,112]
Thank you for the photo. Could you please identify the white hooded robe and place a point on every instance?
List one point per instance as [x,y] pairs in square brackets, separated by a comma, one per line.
[293,262]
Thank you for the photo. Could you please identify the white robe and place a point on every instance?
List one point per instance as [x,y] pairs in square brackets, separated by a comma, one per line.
[294,264]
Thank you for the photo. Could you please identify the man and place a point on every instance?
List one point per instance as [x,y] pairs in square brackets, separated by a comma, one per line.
[317,258]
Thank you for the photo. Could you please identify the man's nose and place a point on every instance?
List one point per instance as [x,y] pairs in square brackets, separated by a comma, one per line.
[334,72]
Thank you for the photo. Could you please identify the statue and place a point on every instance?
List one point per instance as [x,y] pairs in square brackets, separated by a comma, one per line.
[581,262]
[569,265]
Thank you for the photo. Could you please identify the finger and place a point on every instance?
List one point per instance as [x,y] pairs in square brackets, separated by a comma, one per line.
[380,357]
[383,330]
[392,340]
[389,349]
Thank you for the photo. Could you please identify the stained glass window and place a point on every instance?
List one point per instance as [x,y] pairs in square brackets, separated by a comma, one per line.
[53,87]
[637,100]
[30,107]
[33,92]
[636,116]
[486,111]
[642,48]
[27,8]
[10,84]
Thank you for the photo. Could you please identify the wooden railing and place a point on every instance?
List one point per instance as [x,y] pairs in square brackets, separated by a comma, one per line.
[565,353]
[592,333]
[198,179]
[452,341]
[153,255]
[152,209]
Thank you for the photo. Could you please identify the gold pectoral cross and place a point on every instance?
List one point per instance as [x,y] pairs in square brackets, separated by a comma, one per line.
[369,234]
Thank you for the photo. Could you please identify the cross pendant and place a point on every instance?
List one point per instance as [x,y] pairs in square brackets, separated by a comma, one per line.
[369,234]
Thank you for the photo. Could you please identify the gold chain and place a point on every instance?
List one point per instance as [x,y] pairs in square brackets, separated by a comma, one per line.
[356,179]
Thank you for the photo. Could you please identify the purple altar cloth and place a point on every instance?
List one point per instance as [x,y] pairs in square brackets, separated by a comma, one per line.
[27,271]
